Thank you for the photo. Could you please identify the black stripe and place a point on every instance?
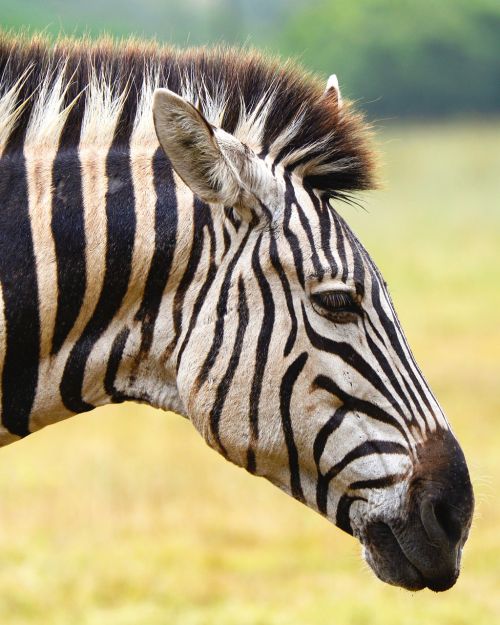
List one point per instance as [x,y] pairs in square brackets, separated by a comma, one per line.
[201,217]
[263,343]
[120,227]
[342,519]
[286,390]
[165,242]
[360,255]
[355,404]
[114,361]
[225,383]
[378,482]
[251,460]
[290,236]
[322,209]
[232,217]
[377,333]
[368,448]
[20,293]
[326,431]
[359,266]
[275,260]
[319,445]
[68,230]
[266,213]
[203,220]
[339,234]
[227,241]
[318,269]
[218,337]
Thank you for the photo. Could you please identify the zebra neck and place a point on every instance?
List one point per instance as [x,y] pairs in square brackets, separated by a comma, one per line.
[87,245]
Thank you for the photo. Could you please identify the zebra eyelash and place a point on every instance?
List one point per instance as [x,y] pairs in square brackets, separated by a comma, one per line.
[336,303]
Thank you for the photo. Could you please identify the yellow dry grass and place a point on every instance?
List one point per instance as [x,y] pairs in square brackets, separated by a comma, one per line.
[123,516]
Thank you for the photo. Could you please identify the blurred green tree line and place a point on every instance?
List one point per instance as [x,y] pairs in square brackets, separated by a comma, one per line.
[398,57]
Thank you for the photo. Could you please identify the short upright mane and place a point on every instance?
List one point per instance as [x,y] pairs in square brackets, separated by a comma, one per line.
[103,90]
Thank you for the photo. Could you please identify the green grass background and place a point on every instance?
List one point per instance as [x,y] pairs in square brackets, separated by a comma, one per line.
[124,517]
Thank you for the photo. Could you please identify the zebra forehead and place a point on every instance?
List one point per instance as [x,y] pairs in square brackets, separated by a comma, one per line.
[103,89]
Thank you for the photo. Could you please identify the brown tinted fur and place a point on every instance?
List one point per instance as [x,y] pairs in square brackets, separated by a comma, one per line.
[242,75]
[440,468]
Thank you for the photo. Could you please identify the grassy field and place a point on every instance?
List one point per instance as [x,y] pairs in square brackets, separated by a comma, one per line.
[124,517]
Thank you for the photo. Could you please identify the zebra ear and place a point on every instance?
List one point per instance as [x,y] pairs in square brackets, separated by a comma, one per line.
[210,161]
[333,89]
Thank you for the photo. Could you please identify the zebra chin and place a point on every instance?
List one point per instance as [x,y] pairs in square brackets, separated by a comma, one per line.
[422,547]
[387,558]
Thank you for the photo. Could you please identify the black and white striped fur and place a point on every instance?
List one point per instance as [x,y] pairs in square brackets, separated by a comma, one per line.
[167,236]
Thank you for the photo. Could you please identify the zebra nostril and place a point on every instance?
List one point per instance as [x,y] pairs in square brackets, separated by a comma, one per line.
[448,519]
[442,525]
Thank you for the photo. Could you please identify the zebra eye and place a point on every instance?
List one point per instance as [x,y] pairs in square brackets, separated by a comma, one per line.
[339,305]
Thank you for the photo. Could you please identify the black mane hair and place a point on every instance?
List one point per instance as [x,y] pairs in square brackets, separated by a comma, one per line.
[300,125]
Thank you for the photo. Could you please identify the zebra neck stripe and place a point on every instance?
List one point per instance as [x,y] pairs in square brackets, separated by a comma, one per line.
[263,342]
[210,277]
[221,312]
[286,390]
[201,216]
[225,383]
[68,231]
[227,241]
[115,358]
[275,260]
[20,295]
[165,232]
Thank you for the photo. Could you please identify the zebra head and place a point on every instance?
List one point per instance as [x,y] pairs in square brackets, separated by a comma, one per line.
[293,363]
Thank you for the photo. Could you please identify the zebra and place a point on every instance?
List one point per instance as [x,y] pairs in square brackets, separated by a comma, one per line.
[170,234]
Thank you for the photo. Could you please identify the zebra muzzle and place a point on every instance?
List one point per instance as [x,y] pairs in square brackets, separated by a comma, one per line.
[423,546]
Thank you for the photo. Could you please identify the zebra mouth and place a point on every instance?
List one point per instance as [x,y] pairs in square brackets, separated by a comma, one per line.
[410,559]
[387,559]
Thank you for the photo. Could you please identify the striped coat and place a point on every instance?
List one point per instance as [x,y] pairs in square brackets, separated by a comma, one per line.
[168,235]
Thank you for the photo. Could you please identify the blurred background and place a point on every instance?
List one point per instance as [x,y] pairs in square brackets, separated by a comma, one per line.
[124,516]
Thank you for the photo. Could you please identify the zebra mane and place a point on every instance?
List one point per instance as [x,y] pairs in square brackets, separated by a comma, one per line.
[100,92]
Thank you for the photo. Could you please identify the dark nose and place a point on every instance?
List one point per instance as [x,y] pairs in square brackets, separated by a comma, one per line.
[442,521]
[438,558]
[441,507]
